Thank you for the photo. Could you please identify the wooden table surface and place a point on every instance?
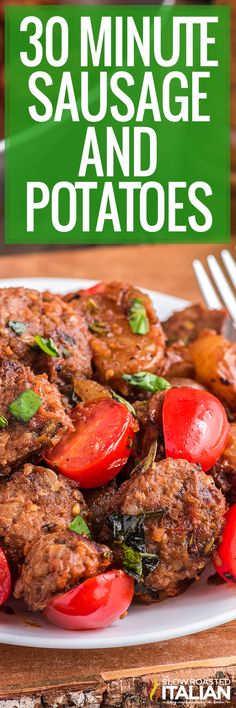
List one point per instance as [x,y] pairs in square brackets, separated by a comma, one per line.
[57,677]
[162,267]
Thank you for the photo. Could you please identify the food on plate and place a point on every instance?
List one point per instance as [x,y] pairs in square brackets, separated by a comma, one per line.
[149,416]
[61,349]
[225,555]
[88,390]
[94,604]
[5,578]
[184,327]
[99,501]
[179,362]
[99,446]
[56,563]
[126,335]
[164,523]
[189,323]
[224,471]
[178,382]
[195,426]
[117,451]
[34,502]
[32,415]
[214,359]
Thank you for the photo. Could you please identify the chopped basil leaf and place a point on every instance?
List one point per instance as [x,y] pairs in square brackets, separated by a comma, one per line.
[99,328]
[3,421]
[128,529]
[17,327]
[128,532]
[47,345]
[139,565]
[123,400]
[138,319]
[147,381]
[132,562]
[79,526]
[25,406]
[149,562]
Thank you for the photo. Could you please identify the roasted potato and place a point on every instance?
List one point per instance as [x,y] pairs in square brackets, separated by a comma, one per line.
[228,459]
[214,359]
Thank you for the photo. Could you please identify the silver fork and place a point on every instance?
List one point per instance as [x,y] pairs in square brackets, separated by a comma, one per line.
[222,293]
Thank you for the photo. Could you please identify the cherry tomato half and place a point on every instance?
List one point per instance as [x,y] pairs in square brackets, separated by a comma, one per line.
[100,445]
[97,288]
[94,604]
[225,556]
[195,426]
[5,578]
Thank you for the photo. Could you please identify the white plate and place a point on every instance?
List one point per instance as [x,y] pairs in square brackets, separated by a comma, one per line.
[201,607]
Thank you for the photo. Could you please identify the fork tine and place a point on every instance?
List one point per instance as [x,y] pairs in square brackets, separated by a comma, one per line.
[222,284]
[211,298]
[230,265]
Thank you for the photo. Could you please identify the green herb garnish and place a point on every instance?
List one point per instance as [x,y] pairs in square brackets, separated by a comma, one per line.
[17,327]
[47,345]
[138,319]
[123,400]
[139,565]
[132,562]
[147,381]
[98,328]
[79,526]
[128,533]
[3,421]
[25,406]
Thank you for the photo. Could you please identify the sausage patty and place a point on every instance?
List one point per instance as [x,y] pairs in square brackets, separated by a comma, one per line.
[188,324]
[34,502]
[19,439]
[55,564]
[116,350]
[172,511]
[26,313]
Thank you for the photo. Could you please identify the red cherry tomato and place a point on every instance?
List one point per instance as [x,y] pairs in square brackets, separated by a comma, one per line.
[225,556]
[100,445]
[5,578]
[195,426]
[94,604]
[97,288]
